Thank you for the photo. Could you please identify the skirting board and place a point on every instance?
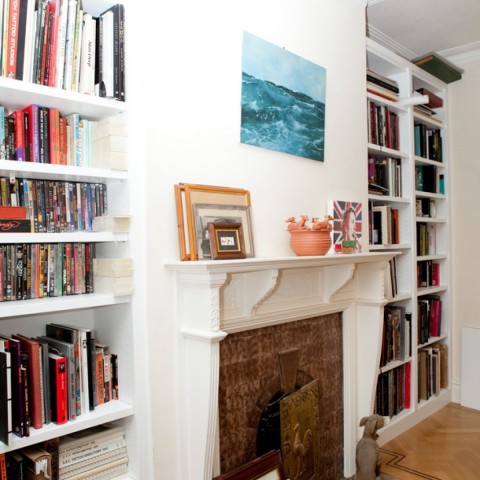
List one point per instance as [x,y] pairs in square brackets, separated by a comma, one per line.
[470,387]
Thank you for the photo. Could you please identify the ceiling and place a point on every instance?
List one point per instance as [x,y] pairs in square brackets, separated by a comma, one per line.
[413,28]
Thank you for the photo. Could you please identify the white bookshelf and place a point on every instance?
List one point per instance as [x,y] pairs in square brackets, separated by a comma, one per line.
[409,79]
[118,320]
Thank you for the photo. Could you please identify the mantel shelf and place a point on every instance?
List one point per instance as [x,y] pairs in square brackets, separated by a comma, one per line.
[258,264]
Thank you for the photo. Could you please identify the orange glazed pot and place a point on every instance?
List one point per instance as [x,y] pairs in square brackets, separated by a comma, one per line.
[310,242]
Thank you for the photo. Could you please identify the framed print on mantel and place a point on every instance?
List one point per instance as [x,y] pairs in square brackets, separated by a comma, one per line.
[197,205]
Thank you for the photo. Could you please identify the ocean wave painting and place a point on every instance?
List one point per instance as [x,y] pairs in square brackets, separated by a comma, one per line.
[283,100]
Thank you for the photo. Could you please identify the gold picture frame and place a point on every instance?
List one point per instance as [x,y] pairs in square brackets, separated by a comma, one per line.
[189,196]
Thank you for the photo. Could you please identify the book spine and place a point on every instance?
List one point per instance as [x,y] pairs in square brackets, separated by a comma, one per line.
[12,41]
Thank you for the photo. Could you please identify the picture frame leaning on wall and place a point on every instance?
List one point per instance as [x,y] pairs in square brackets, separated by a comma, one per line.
[196,205]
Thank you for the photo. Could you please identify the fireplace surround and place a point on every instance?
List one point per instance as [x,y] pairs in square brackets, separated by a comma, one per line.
[214,299]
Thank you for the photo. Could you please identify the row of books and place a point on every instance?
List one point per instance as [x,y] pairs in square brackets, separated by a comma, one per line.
[426,179]
[425,207]
[385,176]
[383,126]
[428,142]
[38,270]
[54,206]
[53,378]
[393,391]
[429,318]
[98,452]
[57,43]
[432,370]
[44,135]
[426,239]
[428,274]
[396,344]
[382,86]
[384,225]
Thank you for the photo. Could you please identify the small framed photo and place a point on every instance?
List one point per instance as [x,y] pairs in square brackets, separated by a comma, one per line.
[266,467]
[226,240]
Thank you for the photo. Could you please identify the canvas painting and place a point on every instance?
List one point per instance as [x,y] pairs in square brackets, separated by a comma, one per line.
[347,223]
[283,100]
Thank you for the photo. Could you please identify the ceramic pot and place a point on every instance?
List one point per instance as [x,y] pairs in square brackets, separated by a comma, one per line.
[310,242]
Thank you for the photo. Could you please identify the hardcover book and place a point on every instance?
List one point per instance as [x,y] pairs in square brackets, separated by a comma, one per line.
[58,388]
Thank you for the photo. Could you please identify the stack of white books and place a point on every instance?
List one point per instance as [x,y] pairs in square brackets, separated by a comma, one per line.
[109,148]
[110,223]
[99,452]
[113,276]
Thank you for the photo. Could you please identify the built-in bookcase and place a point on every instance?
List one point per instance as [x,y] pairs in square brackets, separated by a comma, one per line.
[111,317]
[416,216]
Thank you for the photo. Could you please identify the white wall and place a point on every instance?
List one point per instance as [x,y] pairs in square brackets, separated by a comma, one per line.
[464,100]
[184,83]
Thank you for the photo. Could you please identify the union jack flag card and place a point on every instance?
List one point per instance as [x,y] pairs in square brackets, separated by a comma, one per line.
[347,223]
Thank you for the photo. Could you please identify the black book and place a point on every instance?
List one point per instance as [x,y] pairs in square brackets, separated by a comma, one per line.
[5,398]
[38,53]
[46,380]
[9,138]
[22,29]
[18,413]
[44,135]
[67,350]
[14,462]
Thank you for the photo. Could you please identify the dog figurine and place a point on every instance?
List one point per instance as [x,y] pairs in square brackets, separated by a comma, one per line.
[368,452]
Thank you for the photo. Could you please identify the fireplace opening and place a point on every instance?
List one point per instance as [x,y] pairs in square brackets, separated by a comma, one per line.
[269,429]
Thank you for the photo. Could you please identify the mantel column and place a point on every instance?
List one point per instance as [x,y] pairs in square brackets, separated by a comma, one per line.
[198,308]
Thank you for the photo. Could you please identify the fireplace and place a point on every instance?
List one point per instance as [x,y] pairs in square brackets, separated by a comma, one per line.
[341,296]
[257,366]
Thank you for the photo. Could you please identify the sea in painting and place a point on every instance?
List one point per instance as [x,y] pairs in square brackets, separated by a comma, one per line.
[283,100]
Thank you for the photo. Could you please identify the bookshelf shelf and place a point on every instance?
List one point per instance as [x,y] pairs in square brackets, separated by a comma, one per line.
[387,198]
[66,303]
[72,237]
[11,168]
[17,94]
[385,151]
[111,411]
[395,364]
[417,174]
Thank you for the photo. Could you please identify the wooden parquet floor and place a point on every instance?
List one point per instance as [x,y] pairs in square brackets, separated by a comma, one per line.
[445,446]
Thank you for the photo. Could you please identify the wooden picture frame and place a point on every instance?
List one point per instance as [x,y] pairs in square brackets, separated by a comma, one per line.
[226,240]
[266,467]
[190,197]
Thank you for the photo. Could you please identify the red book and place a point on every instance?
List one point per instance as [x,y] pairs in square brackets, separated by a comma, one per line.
[12,45]
[435,274]
[58,388]
[53,12]
[408,377]
[32,347]
[13,212]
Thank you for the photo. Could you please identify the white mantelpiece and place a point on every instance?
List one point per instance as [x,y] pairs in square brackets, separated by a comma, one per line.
[215,298]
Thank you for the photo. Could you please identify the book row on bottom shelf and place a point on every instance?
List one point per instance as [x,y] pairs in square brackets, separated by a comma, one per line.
[98,452]
[53,378]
